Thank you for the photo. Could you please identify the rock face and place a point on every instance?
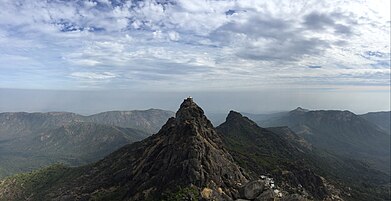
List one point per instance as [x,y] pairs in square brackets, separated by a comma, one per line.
[266,196]
[252,189]
[187,151]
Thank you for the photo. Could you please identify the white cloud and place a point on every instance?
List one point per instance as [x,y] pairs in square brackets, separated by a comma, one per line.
[173,35]
[196,42]
[93,75]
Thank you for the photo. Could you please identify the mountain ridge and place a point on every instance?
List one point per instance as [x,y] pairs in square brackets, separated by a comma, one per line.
[341,132]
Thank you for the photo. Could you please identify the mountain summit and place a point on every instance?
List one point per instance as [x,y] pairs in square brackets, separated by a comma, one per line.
[187,151]
[299,110]
[189,111]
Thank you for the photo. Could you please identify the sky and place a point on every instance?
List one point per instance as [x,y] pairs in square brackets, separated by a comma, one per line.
[255,56]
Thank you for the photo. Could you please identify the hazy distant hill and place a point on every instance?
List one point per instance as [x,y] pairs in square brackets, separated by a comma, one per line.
[149,121]
[80,141]
[341,132]
[18,124]
[32,140]
[73,144]
[380,119]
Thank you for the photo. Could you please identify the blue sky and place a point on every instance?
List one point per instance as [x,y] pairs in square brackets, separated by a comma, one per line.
[185,46]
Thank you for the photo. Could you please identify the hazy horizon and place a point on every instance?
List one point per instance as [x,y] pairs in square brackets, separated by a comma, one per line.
[256,102]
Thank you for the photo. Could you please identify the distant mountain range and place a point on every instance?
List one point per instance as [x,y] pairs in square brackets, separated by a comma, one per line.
[380,119]
[32,140]
[340,132]
[21,124]
[189,159]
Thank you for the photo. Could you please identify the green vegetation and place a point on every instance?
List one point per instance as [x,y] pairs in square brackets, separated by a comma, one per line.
[187,193]
[33,184]
[112,194]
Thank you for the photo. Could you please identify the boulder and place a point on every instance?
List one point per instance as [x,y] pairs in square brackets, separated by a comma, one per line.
[294,197]
[206,193]
[266,196]
[252,189]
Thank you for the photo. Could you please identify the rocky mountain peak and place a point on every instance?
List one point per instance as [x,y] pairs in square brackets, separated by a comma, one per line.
[299,110]
[189,111]
[233,115]
[187,151]
[236,118]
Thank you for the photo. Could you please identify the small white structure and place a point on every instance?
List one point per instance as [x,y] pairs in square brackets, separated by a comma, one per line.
[278,193]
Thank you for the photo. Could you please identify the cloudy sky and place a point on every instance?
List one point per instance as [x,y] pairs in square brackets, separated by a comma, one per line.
[317,54]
